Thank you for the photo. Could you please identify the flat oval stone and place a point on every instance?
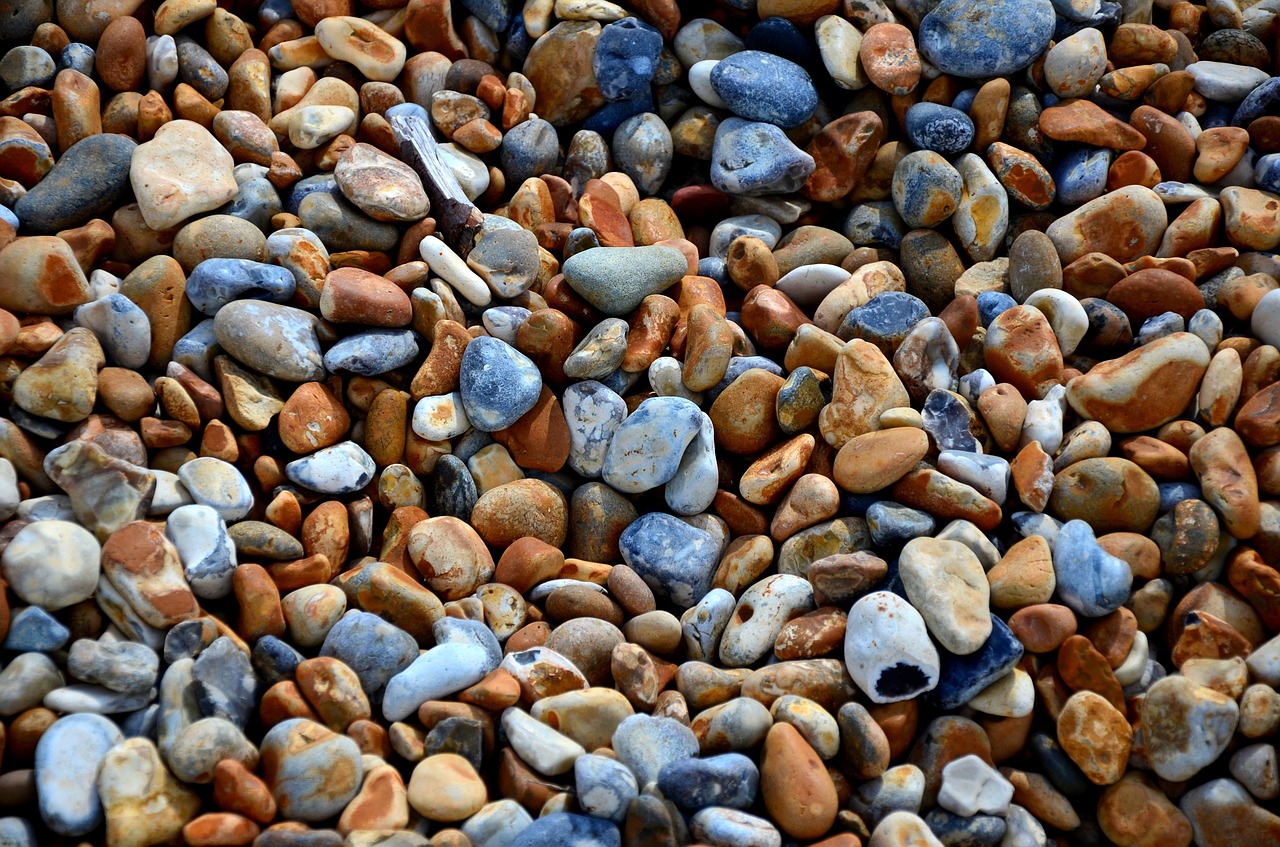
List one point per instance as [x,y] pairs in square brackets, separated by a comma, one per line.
[279,341]
[384,188]
[66,765]
[1185,726]
[497,383]
[616,279]
[988,40]
[180,172]
[52,564]
[216,282]
[85,182]
[946,582]
[760,86]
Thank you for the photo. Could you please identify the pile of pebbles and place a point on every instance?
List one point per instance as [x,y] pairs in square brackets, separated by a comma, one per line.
[851,424]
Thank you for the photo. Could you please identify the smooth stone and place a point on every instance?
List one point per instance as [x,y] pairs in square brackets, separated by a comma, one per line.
[738,168]
[182,171]
[497,383]
[1089,579]
[761,86]
[616,279]
[219,485]
[122,329]
[84,183]
[67,759]
[52,564]
[996,39]
[729,780]
[566,828]
[312,772]
[887,649]
[216,282]
[964,677]
[648,744]
[276,340]
[372,352]
[434,675]
[676,560]
[208,555]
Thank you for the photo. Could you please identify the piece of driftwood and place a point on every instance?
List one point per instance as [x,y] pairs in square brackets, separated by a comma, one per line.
[457,218]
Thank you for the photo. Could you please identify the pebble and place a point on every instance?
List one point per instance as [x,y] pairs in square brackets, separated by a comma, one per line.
[182,171]
[887,649]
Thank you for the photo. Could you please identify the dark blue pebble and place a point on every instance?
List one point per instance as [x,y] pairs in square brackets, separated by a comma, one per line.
[858,505]
[1109,327]
[1081,175]
[963,677]
[37,426]
[471,443]
[529,149]
[77,57]
[626,58]
[610,116]
[498,384]
[458,735]
[1263,100]
[496,14]
[781,37]
[956,831]
[1173,493]
[982,40]
[676,560]
[274,660]
[375,649]
[271,12]
[1057,766]
[729,780]
[716,268]
[739,365]
[875,224]
[993,304]
[216,282]
[519,42]
[198,69]
[884,320]
[257,201]
[372,352]
[964,100]
[33,630]
[893,524]
[1218,114]
[225,685]
[453,489]
[942,129]
[564,829]
[620,381]
[1107,16]
[83,184]
[1160,326]
[142,723]
[580,238]
[327,183]
[1266,172]
[763,87]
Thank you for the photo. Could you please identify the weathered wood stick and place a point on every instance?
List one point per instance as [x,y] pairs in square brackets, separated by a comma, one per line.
[457,219]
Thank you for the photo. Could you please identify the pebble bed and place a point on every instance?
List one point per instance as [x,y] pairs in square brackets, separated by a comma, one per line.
[853,424]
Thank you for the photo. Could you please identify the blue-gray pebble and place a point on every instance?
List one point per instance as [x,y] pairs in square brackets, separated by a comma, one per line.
[676,560]
[565,829]
[372,352]
[1089,579]
[84,183]
[942,129]
[375,649]
[216,282]
[756,158]
[626,58]
[987,39]
[963,677]
[498,384]
[760,86]
[729,780]
[616,279]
